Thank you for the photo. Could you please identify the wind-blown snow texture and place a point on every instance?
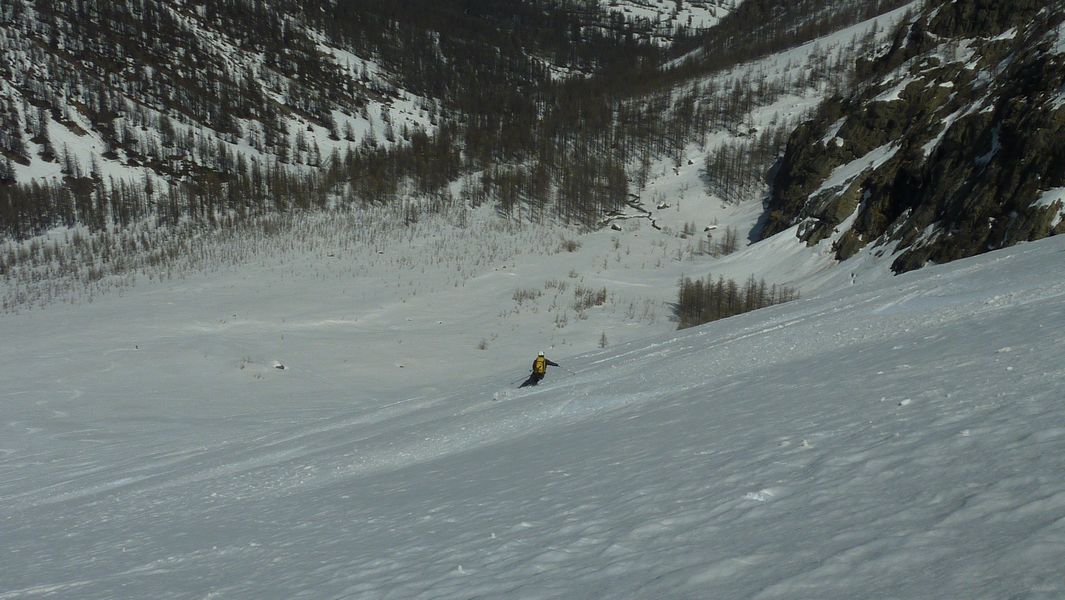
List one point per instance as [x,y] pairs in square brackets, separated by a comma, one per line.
[901,438]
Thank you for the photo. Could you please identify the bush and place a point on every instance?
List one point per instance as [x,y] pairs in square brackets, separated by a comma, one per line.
[585,298]
[521,295]
[570,245]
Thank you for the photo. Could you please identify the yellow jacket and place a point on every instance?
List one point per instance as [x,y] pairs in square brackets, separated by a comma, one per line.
[540,365]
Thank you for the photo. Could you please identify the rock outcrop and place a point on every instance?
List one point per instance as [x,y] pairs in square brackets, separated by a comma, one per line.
[953,143]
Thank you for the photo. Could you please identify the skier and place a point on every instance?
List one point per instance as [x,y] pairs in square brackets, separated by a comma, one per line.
[539,369]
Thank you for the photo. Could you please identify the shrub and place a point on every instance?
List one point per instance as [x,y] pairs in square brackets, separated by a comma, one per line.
[523,294]
[570,245]
[585,298]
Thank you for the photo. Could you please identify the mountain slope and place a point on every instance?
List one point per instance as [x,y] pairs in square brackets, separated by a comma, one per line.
[184,87]
[142,458]
[950,147]
[179,89]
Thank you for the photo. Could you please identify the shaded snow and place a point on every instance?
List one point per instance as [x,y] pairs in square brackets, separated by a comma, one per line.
[844,174]
[1059,42]
[1050,198]
[893,93]
[833,132]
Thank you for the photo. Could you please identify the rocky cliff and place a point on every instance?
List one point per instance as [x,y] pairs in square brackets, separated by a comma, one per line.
[952,144]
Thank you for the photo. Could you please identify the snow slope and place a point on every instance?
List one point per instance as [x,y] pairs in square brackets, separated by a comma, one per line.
[669,17]
[900,438]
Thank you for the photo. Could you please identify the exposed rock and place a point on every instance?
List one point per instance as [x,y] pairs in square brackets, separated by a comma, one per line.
[947,145]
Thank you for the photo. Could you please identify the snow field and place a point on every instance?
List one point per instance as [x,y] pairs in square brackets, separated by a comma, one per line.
[900,438]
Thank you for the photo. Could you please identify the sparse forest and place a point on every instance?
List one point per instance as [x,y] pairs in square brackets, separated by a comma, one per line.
[209,140]
[567,148]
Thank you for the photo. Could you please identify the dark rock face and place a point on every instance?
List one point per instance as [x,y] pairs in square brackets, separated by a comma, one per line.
[947,146]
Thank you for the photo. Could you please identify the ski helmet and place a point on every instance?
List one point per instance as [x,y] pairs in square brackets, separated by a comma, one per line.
[541,353]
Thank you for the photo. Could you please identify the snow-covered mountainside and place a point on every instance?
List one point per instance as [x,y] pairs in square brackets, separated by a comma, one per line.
[667,19]
[950,146]
[901,438]
[119,91]
[252,371]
